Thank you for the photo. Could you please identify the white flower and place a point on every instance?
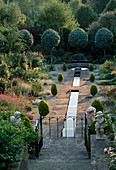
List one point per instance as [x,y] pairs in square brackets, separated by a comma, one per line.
[12,118]
[17,114]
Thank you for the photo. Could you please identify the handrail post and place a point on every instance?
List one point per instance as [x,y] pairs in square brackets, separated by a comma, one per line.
[82,126]
[57,128]
[49,128]
[36,144]
[89,136]
[85,130]
[41,129]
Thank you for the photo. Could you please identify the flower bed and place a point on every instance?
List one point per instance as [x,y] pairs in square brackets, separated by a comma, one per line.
[9,102]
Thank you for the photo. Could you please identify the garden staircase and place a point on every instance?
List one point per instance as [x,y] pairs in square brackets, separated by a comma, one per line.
[62,153]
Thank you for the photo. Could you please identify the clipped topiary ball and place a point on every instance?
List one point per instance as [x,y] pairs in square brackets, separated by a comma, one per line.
[44,108]
[91,67]
[64,67]
[98,105]
[54,89]
[92,77]
[93,90]
[60,77]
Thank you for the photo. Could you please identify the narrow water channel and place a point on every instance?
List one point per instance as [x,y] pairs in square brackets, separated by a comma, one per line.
[70,122]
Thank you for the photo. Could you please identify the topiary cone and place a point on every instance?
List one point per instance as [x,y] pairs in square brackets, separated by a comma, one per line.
[44,108]
[54,89]
[60,77]
[64,67]
[93,90]
[92,77]
[91,67]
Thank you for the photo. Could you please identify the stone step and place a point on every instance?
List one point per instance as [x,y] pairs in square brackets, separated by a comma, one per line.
[62,154]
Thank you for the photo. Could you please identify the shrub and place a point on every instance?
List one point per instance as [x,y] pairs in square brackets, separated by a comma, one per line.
[18,72]
[36,88]
[92,126]
[104,68]
[44,108]
[98,105]
[12,140]
[11,143]
[93,89]
[2,85]
[92,77]
[107,82]
[21,87]
[109,76]
[26,120]
[91,67]
[4,72]
[23,62]
[64,67]
[14,82]
[77,58]
[60,77]
[54,89]
[26,37]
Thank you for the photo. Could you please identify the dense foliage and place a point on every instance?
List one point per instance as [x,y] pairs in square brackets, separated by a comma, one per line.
[98,5]
[111,6]
[56,15]
[74,4]
[13,138]
[85,15]
[78,38]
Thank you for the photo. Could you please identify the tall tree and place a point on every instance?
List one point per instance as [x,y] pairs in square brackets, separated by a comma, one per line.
[74,4]
[56,15]
[85,15]
[98,5]
[111,6]
[50,39]
[103,39]
[10,14]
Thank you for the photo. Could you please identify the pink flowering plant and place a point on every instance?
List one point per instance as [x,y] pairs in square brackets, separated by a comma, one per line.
[9,102]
